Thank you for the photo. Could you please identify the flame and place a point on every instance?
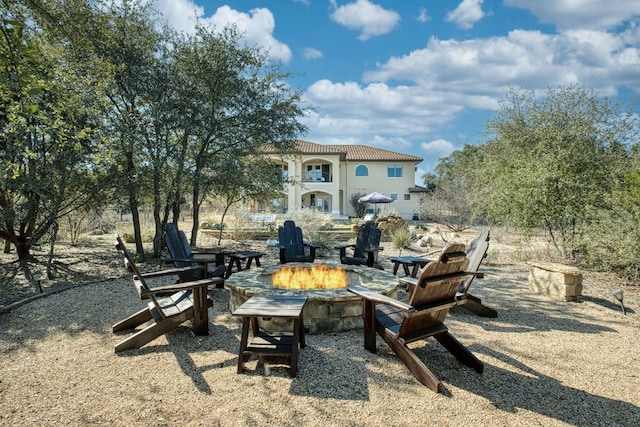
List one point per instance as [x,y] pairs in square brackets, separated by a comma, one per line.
[317,277]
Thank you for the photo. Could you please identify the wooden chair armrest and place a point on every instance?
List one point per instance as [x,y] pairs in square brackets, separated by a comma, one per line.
[170,260]
[343,249]
[379,298]
[429,308]
[311,245]
[172,271]
[177,287]
[197,252]
[346,245]
[478,274]
[411,281]
[195,260]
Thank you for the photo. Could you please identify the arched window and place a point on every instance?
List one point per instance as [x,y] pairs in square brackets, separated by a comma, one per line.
[362,170]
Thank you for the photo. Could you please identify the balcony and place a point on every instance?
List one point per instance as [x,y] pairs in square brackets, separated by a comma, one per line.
[316,176]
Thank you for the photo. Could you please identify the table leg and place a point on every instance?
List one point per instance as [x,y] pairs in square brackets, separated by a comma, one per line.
[294,346]
[219,259]
[395,267]
[243,343]
[229,268]
[416,268]
[255,327]
[257,261]
[301,332]
[406,269]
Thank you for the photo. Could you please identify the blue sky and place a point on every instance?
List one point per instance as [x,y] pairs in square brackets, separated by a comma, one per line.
[422,77]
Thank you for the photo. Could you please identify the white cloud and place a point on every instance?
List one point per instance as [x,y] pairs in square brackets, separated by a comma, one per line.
[466,14]
[448,77]
[181,14]
[423,16]
[376,114]
[311,53]
[437,149]
[256,26]
[432,152]
[585,14]
[481,69]
[368,18]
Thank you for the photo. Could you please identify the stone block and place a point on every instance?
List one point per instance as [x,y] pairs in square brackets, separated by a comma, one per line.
[559,281]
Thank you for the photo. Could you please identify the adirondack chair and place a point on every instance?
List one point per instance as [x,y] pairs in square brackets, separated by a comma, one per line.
[365,250]
[181,255]
[292,245]
[169,305]
[431,295]
[476,253]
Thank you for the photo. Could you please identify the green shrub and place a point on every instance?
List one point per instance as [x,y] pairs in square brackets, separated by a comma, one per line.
[325,241]
[402,238]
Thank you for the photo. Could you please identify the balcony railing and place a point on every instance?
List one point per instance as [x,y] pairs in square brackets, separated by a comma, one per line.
[315,177]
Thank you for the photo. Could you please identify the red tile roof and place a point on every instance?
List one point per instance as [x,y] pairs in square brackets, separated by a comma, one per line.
[354,152]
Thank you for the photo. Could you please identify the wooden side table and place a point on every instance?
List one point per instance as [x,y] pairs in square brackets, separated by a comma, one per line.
[235,259]
[408,261]
[271,343]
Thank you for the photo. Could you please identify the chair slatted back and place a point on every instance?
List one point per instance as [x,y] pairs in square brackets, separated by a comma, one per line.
[476,252]
[177,244]
[435,291]
[140,285]
[290,237]
[367,239]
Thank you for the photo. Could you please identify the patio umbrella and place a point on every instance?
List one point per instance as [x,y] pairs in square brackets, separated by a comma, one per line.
[375,197]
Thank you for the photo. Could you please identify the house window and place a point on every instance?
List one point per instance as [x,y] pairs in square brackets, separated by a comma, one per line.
[407,196]
[394,196]
[320,172]
[362,170]
[394,171]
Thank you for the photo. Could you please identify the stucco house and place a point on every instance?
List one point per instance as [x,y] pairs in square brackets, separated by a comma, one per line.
[326,176]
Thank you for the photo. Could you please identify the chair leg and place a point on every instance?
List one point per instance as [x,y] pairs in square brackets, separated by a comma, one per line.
[369,319]
[200,311]
[152,332]
[413,363]
[460,352]
[133,321]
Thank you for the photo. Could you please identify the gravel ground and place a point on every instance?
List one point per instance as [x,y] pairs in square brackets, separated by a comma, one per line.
[546,363]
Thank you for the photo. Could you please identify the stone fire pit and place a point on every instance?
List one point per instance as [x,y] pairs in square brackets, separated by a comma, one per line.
[327,310]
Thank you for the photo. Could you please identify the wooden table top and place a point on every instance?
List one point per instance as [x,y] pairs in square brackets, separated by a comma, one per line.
[272,306]
[245,254]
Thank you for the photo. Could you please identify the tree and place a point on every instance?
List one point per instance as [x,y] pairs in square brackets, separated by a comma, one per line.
[552,161]
[48,128]
[450,204]
[233,103]
[452,199]
[359,207]
[234,180]
[129,47]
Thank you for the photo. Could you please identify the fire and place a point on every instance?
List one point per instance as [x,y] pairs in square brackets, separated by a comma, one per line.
[317,277]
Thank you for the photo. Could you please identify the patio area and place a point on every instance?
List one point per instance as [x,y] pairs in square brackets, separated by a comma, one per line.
[546,363]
